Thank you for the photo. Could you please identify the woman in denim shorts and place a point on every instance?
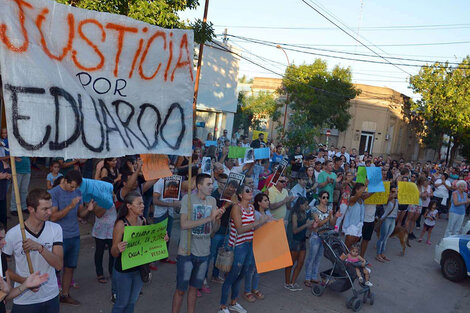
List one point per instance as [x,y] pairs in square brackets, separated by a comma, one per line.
[299,222]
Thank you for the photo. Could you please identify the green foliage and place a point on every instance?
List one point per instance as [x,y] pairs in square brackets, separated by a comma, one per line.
[444,105]
[318,98]
[163,13]
[254,109]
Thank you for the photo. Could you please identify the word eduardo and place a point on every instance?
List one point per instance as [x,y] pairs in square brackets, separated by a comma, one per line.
[119,117]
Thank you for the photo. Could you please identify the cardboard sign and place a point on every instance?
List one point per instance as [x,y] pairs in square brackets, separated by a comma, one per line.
[408,193]
[206,165]
[235,152]
[155,166]
[270,247]
[85,84]
[379,197]
[256,135]
[145,244]
[172,187]
[374,175]
[233,182]
[361,175]
[262,153]
[100,191]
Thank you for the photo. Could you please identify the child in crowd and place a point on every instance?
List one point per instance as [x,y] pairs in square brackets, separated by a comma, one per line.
[430,217]
[359,263]
[53,175]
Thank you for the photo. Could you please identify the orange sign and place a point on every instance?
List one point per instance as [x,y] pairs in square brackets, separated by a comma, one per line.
[155,166]
[270,247]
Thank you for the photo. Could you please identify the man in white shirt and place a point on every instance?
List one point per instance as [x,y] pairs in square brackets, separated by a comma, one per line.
[343,152]
[44,243]
[299,189]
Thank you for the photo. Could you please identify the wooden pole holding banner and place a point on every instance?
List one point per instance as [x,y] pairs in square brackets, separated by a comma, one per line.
[196,91]
[19,209]
[16,190]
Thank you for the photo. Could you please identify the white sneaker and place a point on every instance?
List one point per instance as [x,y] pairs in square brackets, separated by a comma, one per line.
[237,308]
[225,310]
[368,283]
[361,280]
[295,287]
[288,286]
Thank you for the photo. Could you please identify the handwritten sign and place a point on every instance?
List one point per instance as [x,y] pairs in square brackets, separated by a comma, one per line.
[270,247]
[145,244]
[84,84]
[256,135]
[361,175]
[379,197]
[262,153]
[100,191]
[374,175]
[235,152]
[155,166]
[408,193]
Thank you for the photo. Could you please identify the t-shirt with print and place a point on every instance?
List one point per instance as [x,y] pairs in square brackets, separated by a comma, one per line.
[61,199]
[161,210]
[49,236]
[200,235]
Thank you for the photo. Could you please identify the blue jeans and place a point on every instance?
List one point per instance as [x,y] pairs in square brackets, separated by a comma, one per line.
[51,306]
[252,279]
[71,248]
[190,271]
[315,252]
[216,242]
[242,260]
[386,229]
[23,186]
[127,291]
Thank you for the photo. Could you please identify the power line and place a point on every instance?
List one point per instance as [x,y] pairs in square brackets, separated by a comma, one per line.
[273,43]
[366,28]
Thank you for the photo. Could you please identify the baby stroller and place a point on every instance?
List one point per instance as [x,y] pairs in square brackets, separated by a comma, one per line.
[342,275]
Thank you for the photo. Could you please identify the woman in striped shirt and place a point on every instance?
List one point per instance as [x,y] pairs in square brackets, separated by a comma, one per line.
[242,225]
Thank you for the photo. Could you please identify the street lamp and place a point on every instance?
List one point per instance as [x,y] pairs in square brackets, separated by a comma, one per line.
[287,95]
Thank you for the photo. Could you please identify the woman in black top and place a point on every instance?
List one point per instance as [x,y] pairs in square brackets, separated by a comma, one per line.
[129,282]
[6,291]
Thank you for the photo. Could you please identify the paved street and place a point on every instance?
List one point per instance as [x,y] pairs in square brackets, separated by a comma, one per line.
[412,283]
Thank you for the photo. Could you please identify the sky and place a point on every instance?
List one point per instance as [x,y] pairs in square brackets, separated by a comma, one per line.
[392,29]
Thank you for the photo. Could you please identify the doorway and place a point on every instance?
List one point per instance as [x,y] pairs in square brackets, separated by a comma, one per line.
[367,142]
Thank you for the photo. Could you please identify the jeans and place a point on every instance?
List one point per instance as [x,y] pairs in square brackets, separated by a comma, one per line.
[454,225]
[99,253]
[23,185]
[242,260]
[190,271]
[127,291]
[252,279]
[50,306]
[315,252]
[216,242]
[386,229]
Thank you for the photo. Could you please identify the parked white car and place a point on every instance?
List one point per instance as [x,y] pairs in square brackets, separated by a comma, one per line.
[453,254]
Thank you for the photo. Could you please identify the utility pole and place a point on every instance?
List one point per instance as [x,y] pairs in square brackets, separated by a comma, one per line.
[287,96]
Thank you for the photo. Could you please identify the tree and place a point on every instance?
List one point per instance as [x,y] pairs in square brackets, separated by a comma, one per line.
[318,98]
[163,13]
[253,110]
[444,104]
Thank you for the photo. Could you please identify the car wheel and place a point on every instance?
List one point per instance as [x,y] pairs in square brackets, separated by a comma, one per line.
[453,267]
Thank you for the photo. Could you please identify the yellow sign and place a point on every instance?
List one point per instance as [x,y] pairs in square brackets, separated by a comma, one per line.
[408,193]
[256,135]
[379,197]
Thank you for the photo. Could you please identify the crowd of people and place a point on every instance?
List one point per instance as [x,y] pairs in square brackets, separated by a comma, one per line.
[317,192]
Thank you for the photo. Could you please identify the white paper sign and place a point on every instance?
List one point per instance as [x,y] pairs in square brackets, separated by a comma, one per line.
[83,84]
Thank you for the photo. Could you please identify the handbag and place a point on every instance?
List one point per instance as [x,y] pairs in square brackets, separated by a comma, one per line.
[225,256]
[380,221]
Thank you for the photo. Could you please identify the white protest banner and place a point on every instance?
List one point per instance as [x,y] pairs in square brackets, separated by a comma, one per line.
[83,84]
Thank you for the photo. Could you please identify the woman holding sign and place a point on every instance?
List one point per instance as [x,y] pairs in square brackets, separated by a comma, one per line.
[129,282]
[242,225]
